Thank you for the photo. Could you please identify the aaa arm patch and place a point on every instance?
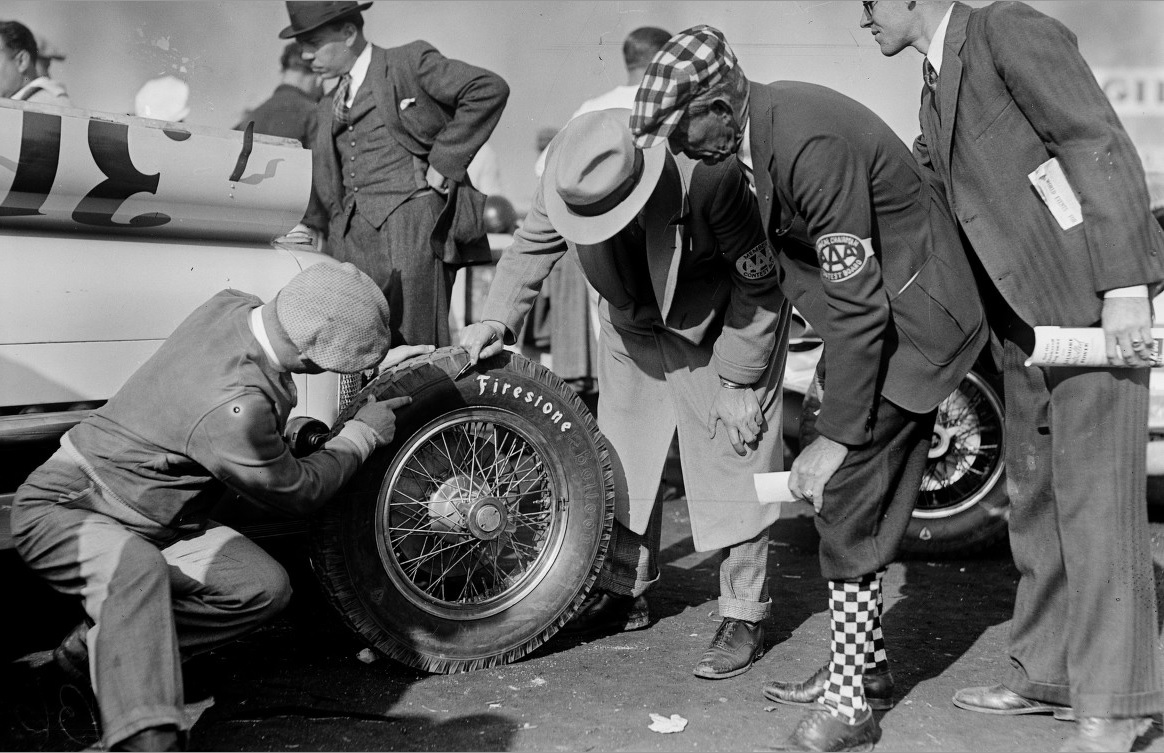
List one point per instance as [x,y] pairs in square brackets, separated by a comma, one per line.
[757,263]
[841,256]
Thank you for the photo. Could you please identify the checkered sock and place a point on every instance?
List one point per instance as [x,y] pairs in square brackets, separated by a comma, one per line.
[852,603]
[877,661]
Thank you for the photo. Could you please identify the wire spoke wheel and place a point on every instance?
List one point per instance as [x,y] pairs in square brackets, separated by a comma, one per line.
[962,505]
[477,533]
[966,453]
[469,515]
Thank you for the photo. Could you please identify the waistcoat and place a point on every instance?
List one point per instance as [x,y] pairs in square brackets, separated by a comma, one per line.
[378,174]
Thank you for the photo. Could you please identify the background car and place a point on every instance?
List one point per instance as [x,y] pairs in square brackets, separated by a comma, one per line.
[466,543]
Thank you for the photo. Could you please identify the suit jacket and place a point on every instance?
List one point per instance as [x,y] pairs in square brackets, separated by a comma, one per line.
[439,110]
[1013,93]
[695,239]
[901,317]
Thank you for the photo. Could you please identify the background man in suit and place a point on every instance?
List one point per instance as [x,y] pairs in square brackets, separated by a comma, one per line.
[390,153]
[694,332]
[290,113]
[1006,91]
[868,254]
[19,77]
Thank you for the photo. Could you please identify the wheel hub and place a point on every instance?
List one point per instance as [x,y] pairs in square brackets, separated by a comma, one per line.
[939,442]
[487,518]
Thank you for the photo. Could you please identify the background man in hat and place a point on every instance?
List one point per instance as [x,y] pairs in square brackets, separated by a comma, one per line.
[869,255]
[19,77]
[290,112]
[1006,91]
[119,515]
[390,154]
[694,334]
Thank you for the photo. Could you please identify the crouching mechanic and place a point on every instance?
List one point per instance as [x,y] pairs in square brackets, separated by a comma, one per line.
[119,515]
[694,335]
[868,253]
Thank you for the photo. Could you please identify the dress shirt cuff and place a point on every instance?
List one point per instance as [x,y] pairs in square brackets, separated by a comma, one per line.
[361,435]
[1135,291]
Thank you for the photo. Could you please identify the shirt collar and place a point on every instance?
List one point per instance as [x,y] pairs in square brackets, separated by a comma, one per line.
[359,72]
[938,43]
[260,333]
[745,152]
[37,83]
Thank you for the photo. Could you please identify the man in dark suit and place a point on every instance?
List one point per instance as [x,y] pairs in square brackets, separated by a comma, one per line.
[390,154]
[290,113]
[868,253]
[694,333]
[1007,92]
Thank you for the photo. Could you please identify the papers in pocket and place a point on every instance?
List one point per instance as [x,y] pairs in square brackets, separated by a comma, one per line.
[1051,184]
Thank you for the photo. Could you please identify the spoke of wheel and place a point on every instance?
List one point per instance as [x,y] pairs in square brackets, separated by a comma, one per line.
[423,472]
[428,530]
[468,578]
[426,556]
[443,577]
[426,507]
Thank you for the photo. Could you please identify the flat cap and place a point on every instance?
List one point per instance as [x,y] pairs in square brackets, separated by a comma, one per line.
[337,317]
[690,62]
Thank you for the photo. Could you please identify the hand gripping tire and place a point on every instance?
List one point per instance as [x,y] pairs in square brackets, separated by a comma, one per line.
[478,532]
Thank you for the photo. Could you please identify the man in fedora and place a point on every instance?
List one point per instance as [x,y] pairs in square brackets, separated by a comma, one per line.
[119,516]
[390,153]
[694,335]
[869,254]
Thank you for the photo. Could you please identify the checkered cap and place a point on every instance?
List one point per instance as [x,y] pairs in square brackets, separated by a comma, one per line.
[691,61]
[336,316]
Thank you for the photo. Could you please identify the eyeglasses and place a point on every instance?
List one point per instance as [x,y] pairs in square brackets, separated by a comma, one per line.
[867,5]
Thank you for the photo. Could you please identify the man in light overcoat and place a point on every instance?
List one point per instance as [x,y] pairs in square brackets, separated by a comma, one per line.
[694,335]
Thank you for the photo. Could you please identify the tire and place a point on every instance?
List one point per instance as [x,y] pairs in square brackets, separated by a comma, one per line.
[472,538]
[963,508]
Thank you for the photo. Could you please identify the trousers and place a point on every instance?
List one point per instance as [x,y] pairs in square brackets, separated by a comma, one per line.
[631,567]
[151,597]
[1084,627]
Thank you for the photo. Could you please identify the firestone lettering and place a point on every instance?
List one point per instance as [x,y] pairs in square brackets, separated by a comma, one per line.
[523,394]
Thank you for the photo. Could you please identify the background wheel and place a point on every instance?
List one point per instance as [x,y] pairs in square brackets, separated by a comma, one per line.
[478,532]
[963,507]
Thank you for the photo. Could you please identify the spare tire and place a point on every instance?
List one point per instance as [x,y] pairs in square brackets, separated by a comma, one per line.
[477,533]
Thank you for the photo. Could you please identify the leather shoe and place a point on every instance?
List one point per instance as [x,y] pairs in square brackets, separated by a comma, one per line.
[72,656]
[161,738]
[999,699]
[878,689]
[607,612]
[1099,735]
[820,730]
[736,645]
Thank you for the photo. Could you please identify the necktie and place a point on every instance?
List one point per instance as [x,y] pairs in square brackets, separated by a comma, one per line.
[749,175]
[931,78]
[339,100]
